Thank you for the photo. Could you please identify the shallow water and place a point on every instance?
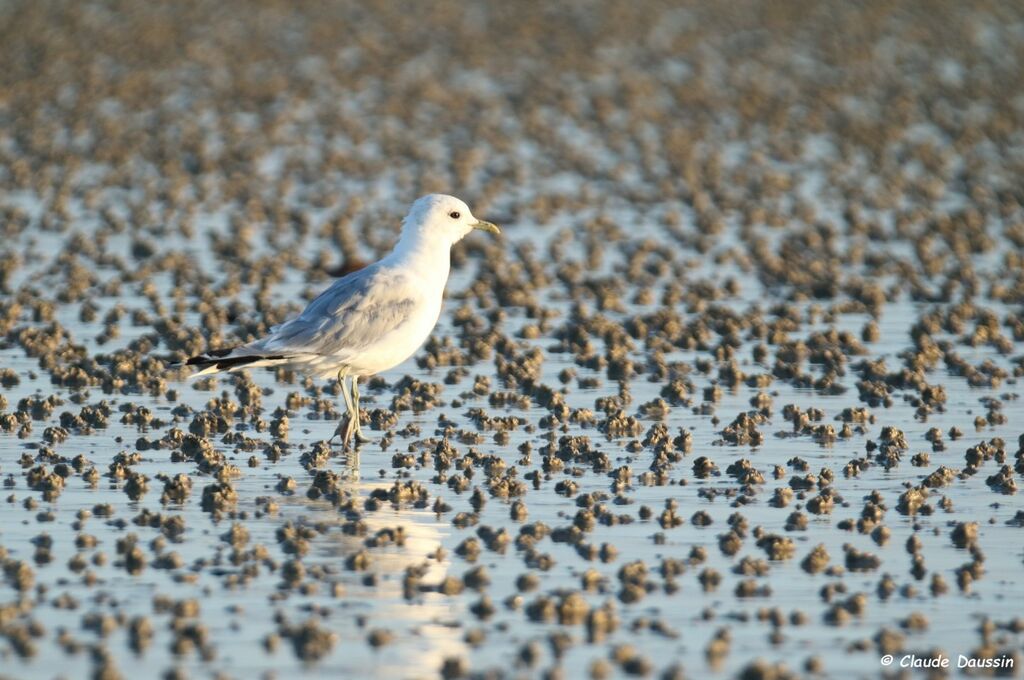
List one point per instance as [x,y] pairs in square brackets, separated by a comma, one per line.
[712,139]
[431,627]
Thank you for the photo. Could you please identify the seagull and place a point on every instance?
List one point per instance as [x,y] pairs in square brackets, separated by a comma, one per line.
[370,320]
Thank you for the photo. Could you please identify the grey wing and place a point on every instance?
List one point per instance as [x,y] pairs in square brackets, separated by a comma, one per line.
[354,312]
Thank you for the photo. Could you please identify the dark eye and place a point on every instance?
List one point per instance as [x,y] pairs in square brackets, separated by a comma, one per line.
[455,214]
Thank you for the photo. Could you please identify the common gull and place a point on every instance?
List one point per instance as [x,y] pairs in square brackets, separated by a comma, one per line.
[370,320]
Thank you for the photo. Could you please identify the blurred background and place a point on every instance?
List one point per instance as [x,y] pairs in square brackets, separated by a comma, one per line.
[718,204]
[521,108]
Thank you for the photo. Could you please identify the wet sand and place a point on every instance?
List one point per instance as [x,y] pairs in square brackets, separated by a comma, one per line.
[735,395]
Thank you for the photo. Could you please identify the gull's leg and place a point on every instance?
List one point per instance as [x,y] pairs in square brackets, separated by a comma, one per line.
[345,426]
[337,430]
[360,439]
[352,420]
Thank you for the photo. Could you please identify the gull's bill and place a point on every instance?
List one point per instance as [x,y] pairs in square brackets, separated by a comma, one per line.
[484,225]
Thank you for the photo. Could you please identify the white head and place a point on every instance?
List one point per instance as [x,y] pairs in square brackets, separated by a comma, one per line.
[440,218]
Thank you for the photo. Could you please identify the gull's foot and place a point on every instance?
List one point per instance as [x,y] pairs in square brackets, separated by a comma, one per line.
[345,430]
[338,431]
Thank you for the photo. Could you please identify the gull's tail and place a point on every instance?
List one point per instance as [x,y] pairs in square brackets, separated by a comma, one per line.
[231,358]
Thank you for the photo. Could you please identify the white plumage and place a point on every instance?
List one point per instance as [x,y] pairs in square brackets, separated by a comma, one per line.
[370,320]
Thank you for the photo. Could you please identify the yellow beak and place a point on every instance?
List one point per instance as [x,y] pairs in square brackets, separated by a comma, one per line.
[484,225]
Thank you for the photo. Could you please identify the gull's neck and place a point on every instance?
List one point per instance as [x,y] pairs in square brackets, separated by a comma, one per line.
[430,258]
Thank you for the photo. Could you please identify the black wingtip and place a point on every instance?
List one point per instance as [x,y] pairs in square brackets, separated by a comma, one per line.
[209,357]
[221,361]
